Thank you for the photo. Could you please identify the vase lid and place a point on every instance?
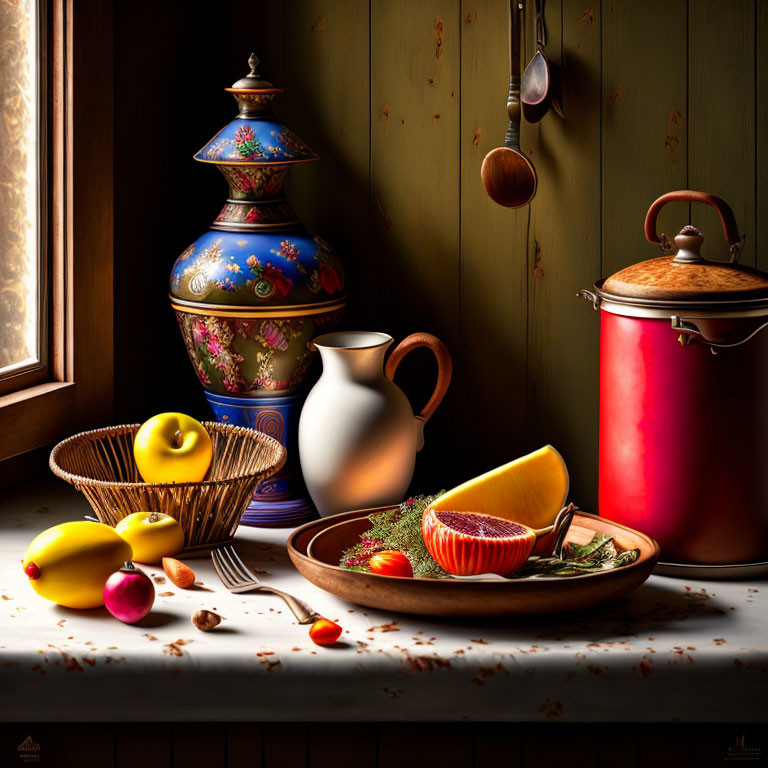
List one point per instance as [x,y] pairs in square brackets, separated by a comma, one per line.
[255,136]
[253,80]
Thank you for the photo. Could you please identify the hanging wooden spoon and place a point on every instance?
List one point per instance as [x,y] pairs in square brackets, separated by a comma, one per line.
[536,86]
[508,175]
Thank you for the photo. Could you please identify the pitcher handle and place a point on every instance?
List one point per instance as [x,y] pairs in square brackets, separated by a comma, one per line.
[444,366]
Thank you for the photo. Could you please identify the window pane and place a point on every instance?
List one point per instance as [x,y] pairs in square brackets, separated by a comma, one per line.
[20,326]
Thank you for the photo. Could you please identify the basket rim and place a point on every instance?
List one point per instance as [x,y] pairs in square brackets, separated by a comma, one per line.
[93,434]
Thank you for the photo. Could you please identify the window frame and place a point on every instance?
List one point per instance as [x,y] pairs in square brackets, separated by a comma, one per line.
[76,390]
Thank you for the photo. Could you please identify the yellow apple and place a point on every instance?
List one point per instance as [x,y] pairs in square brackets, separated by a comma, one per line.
[172,448]
[152,535]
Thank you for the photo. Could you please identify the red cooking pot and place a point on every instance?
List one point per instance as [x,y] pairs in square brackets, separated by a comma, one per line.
[683,396]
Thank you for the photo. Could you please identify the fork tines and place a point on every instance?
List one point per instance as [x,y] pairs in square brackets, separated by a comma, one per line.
[231,569]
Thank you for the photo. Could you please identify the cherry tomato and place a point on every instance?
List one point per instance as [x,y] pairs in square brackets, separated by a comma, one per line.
[324,632]
[390,562]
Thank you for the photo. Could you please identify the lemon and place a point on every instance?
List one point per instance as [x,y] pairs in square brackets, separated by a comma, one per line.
[70,563]
[530,490]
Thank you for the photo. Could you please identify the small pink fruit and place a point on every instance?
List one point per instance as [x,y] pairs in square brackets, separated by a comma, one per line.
[129,594]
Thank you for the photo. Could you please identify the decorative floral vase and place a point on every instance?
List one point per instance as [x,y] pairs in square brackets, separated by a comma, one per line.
[358,436]
[252,292]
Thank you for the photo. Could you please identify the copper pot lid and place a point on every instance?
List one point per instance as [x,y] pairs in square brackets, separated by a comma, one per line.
[683,274]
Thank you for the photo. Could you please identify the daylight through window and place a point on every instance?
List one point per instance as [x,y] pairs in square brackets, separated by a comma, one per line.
[20,263]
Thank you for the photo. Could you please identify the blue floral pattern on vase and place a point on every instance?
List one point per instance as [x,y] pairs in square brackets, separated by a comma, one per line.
[255,141]
[258,268]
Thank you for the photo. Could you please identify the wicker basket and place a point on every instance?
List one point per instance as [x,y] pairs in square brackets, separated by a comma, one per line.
[100,463]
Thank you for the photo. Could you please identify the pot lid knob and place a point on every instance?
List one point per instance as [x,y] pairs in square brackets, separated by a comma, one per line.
[688,242]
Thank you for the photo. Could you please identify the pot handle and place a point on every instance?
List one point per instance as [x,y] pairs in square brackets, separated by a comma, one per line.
[589,296]
[689,330]
[444,366]
[730,228]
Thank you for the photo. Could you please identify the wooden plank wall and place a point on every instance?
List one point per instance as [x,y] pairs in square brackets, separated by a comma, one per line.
[402,100]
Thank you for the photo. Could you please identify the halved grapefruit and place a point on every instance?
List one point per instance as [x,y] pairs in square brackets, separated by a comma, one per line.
[468,543]
[530,490]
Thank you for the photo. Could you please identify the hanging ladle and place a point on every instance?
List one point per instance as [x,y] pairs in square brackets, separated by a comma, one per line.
[508,175]
[536,86]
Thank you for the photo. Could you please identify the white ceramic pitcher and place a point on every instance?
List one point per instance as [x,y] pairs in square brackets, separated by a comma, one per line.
[358,436]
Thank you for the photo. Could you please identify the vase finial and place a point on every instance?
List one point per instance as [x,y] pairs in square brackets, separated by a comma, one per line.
[252,81]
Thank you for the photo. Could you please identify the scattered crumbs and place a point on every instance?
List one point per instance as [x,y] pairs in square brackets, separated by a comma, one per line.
[89,660]
[350,610]
[615,95]
[111,647]
[596,669]
[481,674]
[461,650]
[551,709]
[644,668]
[270,663]
[73,665]
[470,18]
[588,16]
[297,649]
[479,641]
[61,622]
[43,510]
[427,663]
[265,546]
[718,641]
[166,594]
[393,694]
[5,597]
[150,637]
[388,627]
[752,589]
[174,649]
[158,579]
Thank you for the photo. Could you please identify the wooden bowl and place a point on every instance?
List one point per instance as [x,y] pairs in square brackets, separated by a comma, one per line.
[100,464]
[448,597]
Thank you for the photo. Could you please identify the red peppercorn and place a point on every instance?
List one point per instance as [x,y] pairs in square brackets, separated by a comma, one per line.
[324,632]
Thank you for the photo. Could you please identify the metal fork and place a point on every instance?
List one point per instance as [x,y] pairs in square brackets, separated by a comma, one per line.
[237,578]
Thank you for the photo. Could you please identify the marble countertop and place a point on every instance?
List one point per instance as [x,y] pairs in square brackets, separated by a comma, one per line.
[673,650]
